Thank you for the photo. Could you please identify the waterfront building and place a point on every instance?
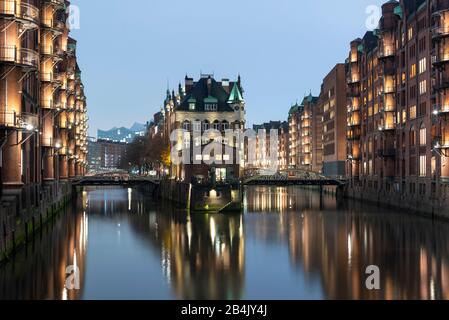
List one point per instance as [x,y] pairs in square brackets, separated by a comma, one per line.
[105,154]
[397,105]
[332,103]
[43,120]
[294,119]
[210,107]
[306,135]
[263,146]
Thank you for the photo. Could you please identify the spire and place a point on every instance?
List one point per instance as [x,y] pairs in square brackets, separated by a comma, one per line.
[236,95]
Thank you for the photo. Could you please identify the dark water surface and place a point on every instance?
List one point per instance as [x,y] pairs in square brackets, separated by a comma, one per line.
[287,245]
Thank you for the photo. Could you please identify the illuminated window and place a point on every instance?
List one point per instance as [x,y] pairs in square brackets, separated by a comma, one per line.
[413,112]
[413,71]
[422,166]
[423,87]
[422,65]
[422,136]
[410,33]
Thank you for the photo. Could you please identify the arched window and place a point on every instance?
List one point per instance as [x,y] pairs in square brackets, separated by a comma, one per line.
[186,125]
[206,125]
[412,137]
[422,135]
[197,126]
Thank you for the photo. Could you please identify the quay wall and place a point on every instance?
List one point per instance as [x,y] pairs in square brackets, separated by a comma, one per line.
[434,207]
[23,213]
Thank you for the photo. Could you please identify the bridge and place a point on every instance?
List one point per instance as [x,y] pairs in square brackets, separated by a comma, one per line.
[114,180]
[293,178]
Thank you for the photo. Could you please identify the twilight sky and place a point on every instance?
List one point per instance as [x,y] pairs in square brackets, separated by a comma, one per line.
[129,49]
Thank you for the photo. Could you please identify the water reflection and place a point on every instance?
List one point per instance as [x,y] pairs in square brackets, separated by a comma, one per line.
[289,244]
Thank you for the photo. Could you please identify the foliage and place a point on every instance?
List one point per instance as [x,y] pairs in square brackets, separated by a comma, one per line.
[147,153]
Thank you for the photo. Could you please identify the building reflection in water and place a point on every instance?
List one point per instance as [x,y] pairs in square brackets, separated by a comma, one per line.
[205,256]
[337,244]
[39,270]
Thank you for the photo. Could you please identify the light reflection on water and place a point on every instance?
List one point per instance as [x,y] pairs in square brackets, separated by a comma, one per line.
[289,244]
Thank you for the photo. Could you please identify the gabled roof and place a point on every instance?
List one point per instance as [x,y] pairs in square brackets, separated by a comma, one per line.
[208,90]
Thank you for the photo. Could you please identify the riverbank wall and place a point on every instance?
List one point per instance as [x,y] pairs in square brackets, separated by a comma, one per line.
[429,206]
[23,213]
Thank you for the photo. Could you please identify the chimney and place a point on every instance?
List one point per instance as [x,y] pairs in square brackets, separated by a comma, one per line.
[188,84]
[225,85]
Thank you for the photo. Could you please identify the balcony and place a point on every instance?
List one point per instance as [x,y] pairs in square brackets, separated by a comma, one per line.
[386,53]
[353,135]
[440,59]
[19,56]
[25,121]
[25,13]
[56,3]
[387,90]
[47,142]
[354,79]
[387,128]
[354,123]
[46,76]
[440,32]
[47,104]
[441,111]
[55,26]
[442,149]
[8,119]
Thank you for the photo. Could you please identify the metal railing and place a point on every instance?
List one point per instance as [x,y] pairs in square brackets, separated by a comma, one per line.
[46,76]
[440,31]
[8,119]
[47,142]
[47,104]
[21,10]
[20,56]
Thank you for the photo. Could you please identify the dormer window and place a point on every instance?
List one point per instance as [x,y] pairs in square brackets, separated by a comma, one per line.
[210,104]
[192,104]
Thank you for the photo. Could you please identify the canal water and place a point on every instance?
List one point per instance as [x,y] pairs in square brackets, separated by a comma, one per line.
[288,244]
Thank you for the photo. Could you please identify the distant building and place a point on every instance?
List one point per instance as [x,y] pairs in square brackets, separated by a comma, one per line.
[263,146]
[123,134]
[104,154]
[333,104]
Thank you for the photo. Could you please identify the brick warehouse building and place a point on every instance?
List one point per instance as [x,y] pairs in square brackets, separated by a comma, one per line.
[43,120]
[397,76]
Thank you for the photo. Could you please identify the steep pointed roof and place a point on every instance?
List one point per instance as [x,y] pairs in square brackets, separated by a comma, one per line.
[236,95]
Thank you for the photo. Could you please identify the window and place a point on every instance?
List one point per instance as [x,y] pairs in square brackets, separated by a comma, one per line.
[422,87]
[422,166]
[413,71]
[422,136]
[410,33]
[413,112]
[422,65]
[197,126]
[412,138]
[186,125]
[206,125]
